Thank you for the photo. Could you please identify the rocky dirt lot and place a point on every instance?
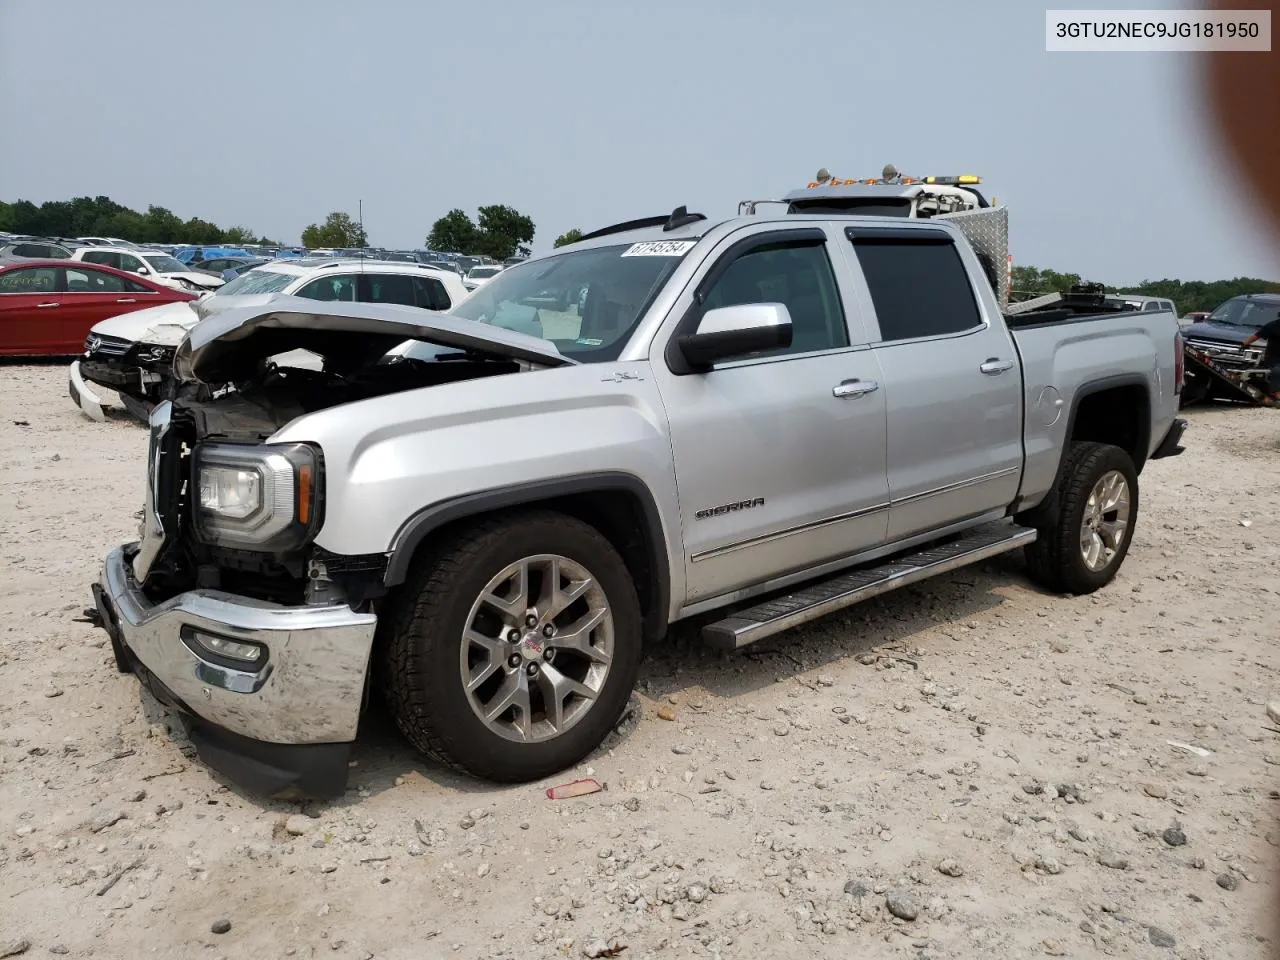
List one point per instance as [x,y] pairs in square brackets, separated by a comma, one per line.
[972,768]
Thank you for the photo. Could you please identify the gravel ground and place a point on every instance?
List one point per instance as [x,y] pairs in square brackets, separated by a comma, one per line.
[970,768]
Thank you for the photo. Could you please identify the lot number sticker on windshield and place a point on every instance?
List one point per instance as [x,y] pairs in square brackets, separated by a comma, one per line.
[660,248]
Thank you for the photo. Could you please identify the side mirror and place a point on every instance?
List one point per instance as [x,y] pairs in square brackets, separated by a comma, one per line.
[732,332]
[142,271]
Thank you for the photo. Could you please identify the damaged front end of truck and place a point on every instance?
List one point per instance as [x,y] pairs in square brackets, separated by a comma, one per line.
[226,606]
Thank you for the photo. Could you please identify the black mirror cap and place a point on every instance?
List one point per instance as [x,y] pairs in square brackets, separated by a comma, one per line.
[702,351]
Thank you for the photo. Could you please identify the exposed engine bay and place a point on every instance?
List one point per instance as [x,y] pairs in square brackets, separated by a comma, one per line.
[253,409]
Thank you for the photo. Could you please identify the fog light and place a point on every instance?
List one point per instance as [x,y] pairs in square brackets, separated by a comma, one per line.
[223,649]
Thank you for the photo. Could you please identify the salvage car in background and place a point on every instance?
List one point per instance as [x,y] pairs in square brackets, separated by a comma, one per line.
[1219,365]
[479,276]
[47,307]
[35,250]
[132,354]
[151,263]
[228,268]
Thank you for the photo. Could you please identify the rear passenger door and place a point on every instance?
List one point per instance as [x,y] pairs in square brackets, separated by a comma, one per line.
[951,378]
[29,305]
[780,463]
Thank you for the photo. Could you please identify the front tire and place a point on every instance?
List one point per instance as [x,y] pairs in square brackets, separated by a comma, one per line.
[1081,547]
[514,648]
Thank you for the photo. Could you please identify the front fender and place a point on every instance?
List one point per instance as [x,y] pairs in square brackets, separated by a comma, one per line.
[393,460]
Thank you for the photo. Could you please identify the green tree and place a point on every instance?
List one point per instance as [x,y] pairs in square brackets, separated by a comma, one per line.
[24,216]
[338,230]
[503,230]
[102,216]
[161,225]
[1187,295]
[498,232]
[454,232]
[196,230]
[568,237]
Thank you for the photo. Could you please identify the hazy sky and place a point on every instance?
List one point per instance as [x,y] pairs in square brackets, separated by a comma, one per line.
[585,112]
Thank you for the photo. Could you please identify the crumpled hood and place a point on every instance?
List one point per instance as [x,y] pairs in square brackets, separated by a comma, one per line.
[163,325]
[1225,332]
[200,279]
[230,344]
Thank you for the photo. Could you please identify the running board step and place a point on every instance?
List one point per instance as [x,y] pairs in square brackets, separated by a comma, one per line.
[827,596]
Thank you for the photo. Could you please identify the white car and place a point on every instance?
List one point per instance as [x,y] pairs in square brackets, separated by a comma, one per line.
[151,263]
[131,354]
[108,242]
[478,276]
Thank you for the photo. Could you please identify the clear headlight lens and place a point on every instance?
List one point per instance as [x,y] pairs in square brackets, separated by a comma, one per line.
[264,496]
[233,492]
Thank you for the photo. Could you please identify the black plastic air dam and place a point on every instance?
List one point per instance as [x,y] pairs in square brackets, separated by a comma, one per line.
[313,771]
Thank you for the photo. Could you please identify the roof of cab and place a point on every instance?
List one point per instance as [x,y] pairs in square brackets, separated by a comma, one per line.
[697,230]
[689,231]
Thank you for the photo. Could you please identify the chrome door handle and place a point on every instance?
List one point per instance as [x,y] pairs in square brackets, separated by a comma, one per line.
[994,366]
[854,388]
[127,300]
[40,306]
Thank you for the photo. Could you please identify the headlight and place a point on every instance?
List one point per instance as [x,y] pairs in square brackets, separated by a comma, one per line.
[263,497]
[148,354]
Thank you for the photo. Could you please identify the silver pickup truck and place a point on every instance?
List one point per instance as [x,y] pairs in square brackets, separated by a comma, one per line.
[768,418]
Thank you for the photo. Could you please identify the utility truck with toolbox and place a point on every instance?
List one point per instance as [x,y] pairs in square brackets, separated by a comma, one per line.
[756,421]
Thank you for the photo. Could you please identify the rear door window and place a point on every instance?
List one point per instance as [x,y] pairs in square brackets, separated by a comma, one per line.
[107,258]
[93,281]
[330,288]
[29,280]
[387,288]
[918,284]
[431,294]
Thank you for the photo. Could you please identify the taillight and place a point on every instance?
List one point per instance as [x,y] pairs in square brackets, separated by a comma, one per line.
[1179,363]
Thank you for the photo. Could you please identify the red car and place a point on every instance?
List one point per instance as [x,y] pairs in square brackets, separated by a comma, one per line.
[48,306]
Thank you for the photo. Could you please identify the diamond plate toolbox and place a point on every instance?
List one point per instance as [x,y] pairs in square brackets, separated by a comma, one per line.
[987,231]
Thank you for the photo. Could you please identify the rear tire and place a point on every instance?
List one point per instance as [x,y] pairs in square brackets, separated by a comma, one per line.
[1083,543]
[456,636]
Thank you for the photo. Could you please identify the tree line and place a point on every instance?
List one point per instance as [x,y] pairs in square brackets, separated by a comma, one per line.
[1188,295]
[103,217]
[498,231]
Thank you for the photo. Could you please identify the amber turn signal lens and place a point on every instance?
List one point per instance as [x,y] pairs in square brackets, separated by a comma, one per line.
[304,494]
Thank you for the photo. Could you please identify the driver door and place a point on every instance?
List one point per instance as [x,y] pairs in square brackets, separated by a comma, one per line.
[780,464]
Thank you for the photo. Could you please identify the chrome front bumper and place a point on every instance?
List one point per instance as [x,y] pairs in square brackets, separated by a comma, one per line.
[308,690]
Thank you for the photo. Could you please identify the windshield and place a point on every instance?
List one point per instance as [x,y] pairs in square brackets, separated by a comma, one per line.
[586,303]
[166,265]
[1245,313]
[483,273]
[256,281]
